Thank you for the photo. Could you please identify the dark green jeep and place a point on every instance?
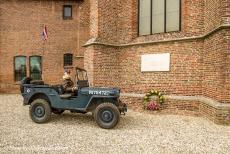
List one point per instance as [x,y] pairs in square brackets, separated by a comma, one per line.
[44,99]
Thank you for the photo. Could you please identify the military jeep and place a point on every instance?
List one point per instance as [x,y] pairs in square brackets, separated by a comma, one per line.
[44,99]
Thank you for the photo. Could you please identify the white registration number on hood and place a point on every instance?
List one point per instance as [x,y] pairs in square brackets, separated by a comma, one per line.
[92,92]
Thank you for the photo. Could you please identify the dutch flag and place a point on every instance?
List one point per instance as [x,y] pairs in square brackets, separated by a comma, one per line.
[45,34]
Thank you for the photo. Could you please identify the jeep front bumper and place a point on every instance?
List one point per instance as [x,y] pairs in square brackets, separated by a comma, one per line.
[122,107]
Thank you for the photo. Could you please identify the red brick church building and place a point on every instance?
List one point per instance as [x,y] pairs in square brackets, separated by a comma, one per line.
[179,47]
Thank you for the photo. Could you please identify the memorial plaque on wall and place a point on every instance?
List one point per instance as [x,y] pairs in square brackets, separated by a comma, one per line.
[155,62]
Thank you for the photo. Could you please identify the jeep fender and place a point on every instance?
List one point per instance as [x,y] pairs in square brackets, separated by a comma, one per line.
[38,96]
[96,100]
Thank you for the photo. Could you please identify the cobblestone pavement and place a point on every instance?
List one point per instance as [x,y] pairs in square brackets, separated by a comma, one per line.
[136,133]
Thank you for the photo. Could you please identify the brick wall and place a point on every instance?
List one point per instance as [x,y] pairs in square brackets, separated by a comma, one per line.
[184,77]
[93,18]
[215,54]
[122,68]
[102,63]
[212,14]
[226,44]
[170,106]
[214,67]
[183,107]
[118,21]
[89,64]
[127,16]
[225,11]
[21,24]
[83,23]
[198,66]
[107,20]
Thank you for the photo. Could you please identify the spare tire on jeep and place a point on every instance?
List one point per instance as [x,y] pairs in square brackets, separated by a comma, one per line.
[37,82]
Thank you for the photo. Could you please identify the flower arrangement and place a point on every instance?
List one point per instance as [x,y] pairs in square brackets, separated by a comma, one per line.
[153,105]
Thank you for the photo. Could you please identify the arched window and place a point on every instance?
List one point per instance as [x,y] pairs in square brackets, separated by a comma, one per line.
[36,67]
[68,59]
[19,67]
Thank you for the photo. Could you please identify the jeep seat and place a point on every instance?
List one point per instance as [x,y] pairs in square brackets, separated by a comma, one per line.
[82,84]
[28,80]
[58,88]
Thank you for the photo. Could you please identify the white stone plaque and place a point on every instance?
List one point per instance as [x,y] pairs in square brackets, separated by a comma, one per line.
[155,62]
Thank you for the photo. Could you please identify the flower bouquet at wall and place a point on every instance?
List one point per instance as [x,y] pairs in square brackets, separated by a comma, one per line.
[158,98]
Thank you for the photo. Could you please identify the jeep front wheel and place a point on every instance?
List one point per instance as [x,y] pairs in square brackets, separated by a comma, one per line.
[40,111]
[107,115]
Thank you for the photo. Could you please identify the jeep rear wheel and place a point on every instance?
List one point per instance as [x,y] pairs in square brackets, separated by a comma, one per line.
[107,115]
[40,111]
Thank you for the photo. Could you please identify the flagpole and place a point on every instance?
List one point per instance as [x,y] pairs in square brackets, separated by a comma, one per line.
[43,50]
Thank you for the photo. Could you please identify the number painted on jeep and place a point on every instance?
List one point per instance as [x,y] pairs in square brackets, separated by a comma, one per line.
[105,93]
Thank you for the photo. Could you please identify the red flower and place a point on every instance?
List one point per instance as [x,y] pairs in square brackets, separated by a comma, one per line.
[152,106]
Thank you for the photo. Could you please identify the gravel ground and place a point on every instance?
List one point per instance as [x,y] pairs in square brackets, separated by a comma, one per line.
[136,133]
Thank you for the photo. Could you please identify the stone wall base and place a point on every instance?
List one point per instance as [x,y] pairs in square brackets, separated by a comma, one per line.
[217,112]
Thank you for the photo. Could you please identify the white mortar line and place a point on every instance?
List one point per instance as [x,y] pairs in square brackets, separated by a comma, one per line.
[208,101]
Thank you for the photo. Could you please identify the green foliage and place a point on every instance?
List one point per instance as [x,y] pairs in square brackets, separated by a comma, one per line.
[159,95]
